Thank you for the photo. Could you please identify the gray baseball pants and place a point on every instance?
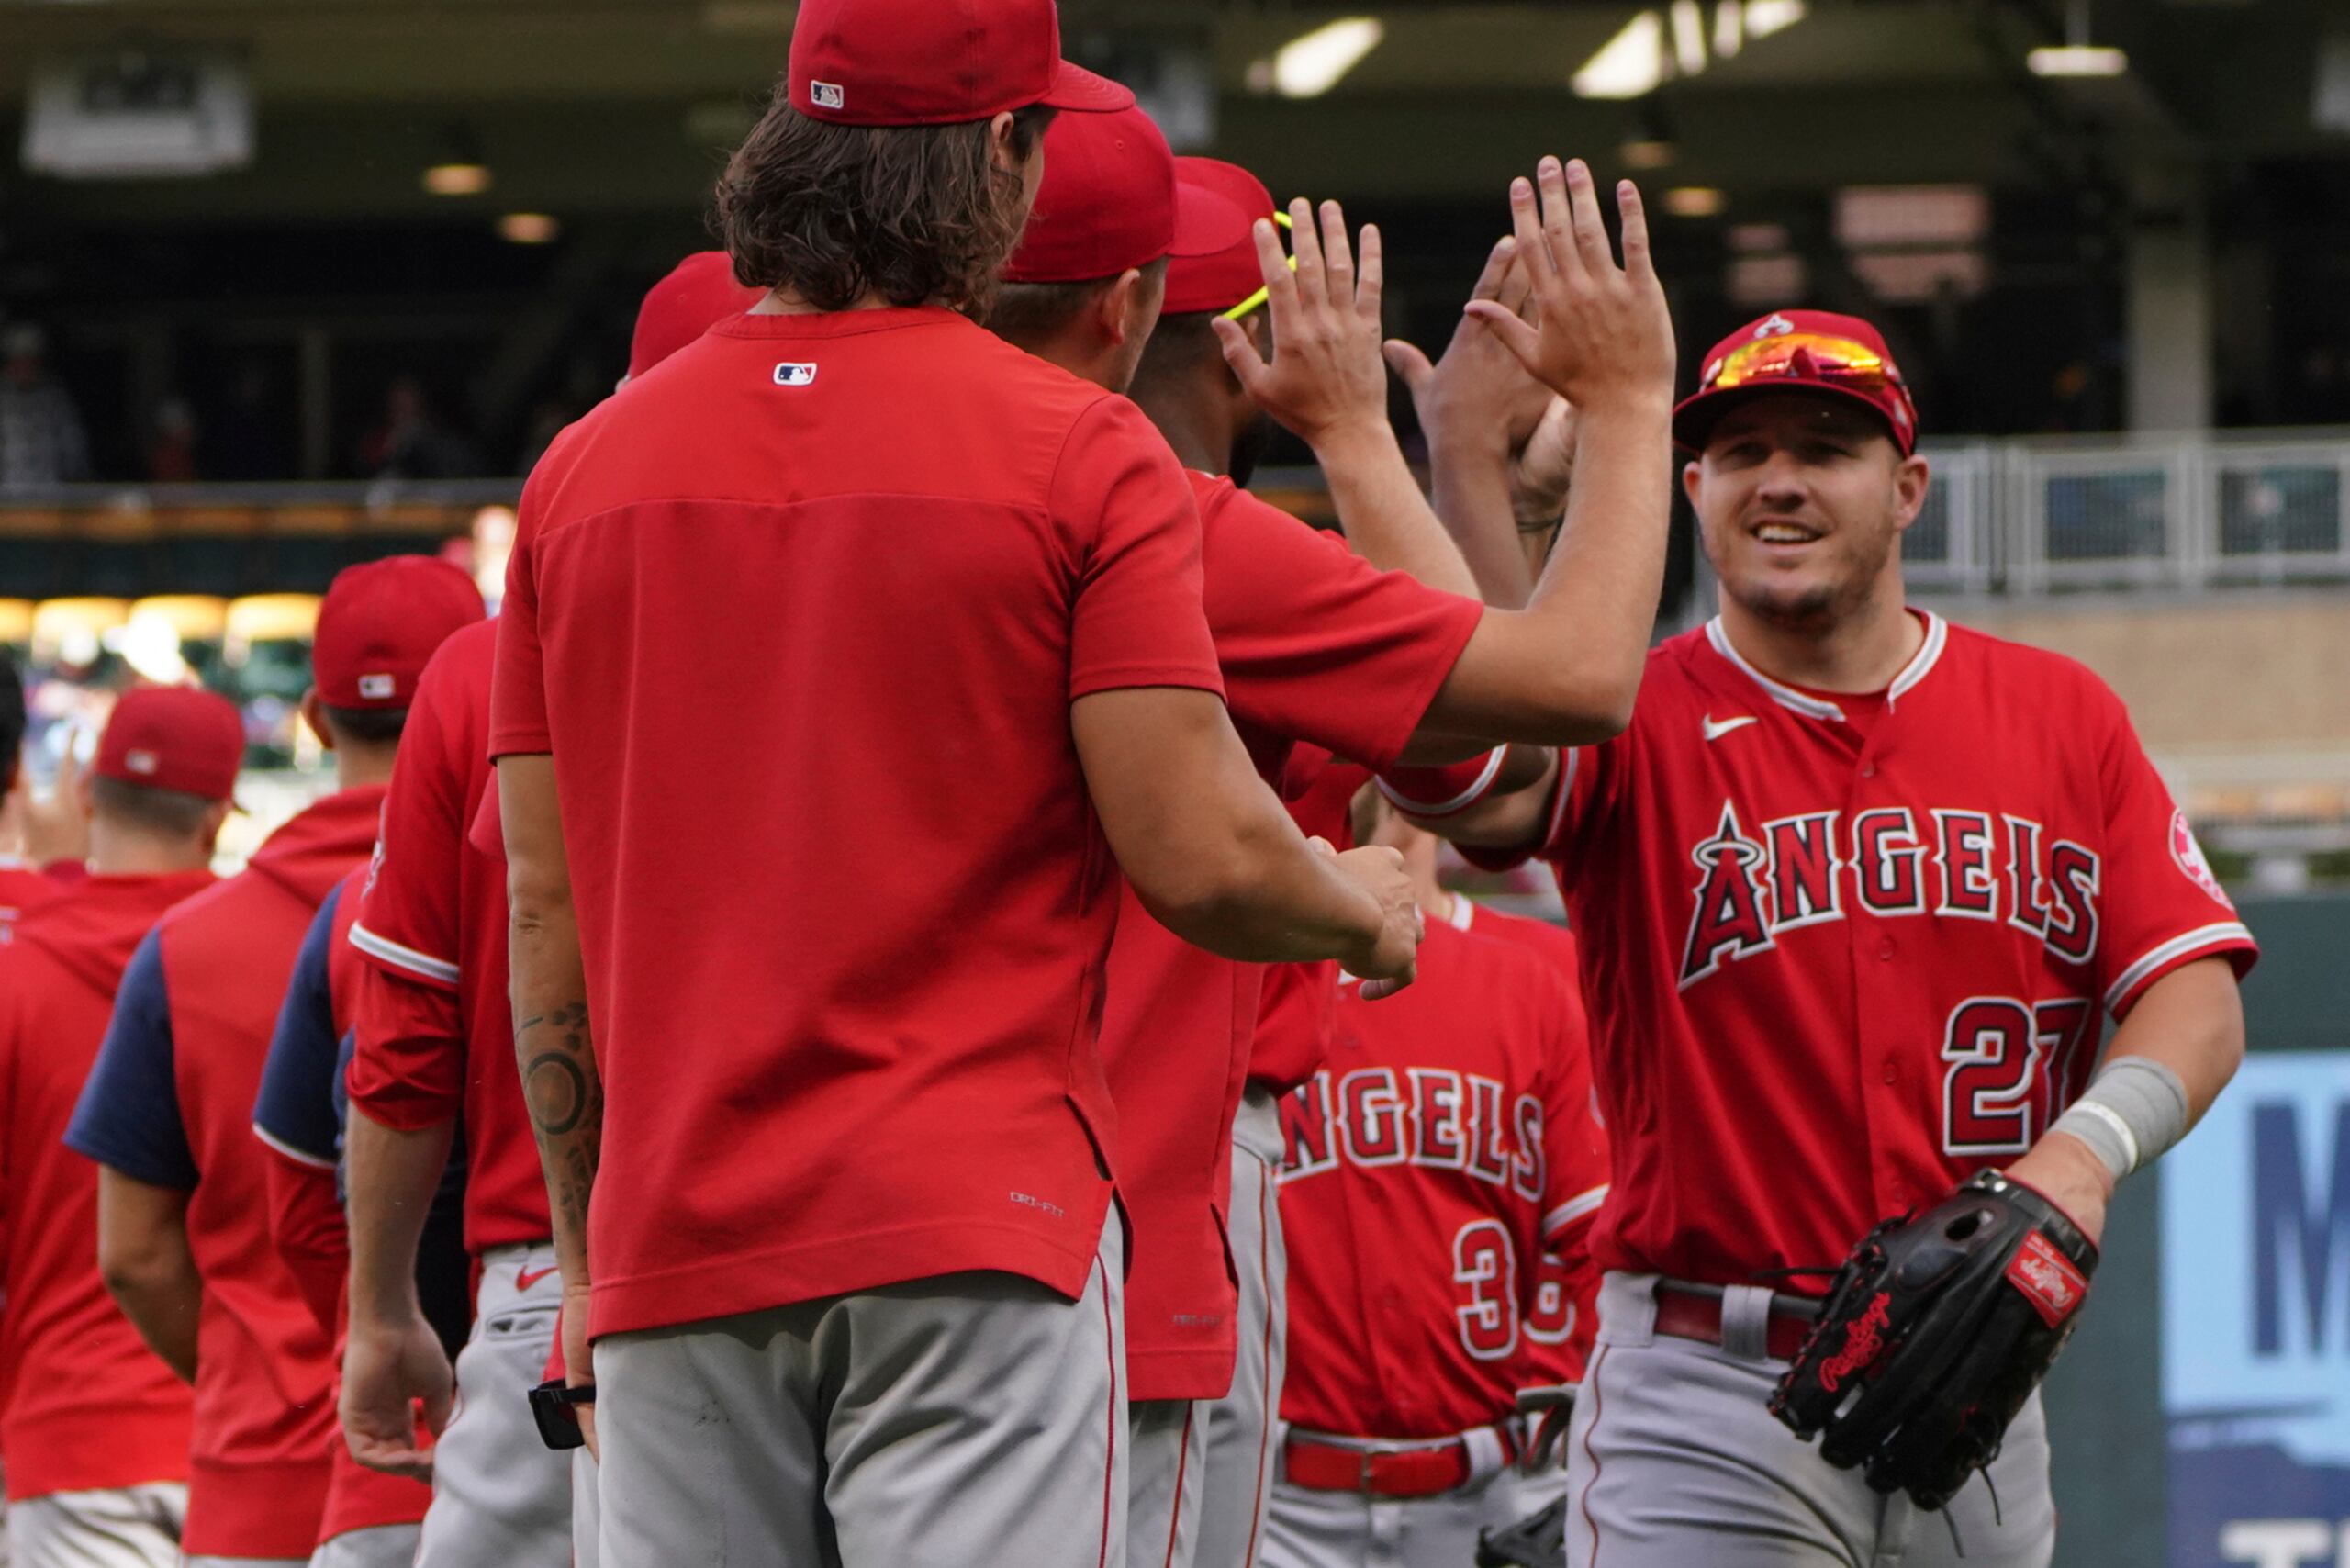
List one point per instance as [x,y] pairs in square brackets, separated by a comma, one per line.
[128,1527]
[973,1421]
[1310,1528]
[502,1499]
[1237,1479]
[1674,1459]
[377,1546]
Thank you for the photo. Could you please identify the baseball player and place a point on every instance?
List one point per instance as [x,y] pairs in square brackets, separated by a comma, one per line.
[434,1047]
[370,1518]
[168,1108]
[1312,641]
[893,1331]
[1447,1145]
[1202,382]
[93,1425]
[1856,889]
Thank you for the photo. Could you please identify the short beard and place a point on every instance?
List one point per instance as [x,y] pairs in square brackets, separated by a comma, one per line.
[1248,448]
[1822,608]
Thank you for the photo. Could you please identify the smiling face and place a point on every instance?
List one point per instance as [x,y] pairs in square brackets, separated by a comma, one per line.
[1801,500]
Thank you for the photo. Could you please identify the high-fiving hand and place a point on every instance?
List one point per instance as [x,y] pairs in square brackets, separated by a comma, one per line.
[1603,333]
[1325,377]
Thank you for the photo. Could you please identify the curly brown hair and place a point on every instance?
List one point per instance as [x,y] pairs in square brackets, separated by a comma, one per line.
[916,214]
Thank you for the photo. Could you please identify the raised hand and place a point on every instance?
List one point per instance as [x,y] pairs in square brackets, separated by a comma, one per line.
[1542,463]
[1604,334]
[384,1370]
[1325,377]
[1478,394]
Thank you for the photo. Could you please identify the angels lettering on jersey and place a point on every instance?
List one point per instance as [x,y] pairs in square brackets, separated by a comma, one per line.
[1956,862]
[1436,1118]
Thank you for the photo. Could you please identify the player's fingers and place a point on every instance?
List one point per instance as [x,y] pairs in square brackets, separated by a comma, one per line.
[1558,219]
[1410,365]
[437,1402]
[1526,228]
[1272,264]
[587,1430]
[1322,846]
[1338,254]
[1636,260]
[1240,354]
[1515,292]
[1591,229]
[1517,337]
[1370,274]
[1306,246]
[1496,274]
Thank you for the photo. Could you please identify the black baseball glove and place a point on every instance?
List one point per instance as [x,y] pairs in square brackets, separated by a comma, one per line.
[1936,1331]
[1538,1540]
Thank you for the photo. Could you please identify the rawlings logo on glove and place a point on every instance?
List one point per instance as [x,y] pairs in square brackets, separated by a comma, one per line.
[1936,1331]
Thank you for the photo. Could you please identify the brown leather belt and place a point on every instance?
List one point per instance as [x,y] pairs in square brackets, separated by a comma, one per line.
[1693,1313]
[1444,1465]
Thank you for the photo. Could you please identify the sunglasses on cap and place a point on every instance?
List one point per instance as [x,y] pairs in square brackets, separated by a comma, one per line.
[1802,356]
[1256,301]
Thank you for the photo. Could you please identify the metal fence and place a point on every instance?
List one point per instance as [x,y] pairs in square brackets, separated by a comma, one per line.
[2176,511]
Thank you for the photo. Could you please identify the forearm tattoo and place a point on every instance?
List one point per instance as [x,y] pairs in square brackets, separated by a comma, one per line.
[565,1096]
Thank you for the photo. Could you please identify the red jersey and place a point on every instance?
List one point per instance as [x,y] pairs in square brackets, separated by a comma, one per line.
[755,616]
[306,1212]
[84,1405]
[1315,643]
[435,1034]
[1445,1144]
[1564,1311]
[1874,947]
[22,887]
[1294,1020]
[170,1102]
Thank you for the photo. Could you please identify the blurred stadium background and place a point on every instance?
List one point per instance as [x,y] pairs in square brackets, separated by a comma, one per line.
[285,285]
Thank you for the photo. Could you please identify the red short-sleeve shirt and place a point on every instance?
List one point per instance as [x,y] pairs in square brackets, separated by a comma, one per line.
[801,615]
[1316,645]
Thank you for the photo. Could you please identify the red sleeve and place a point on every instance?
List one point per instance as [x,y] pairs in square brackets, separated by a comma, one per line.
[408,919]
[1584,796]
[307,1223]
[408,1065]
[518,698]
[1315,642]
[1127,511]
[1443,791]
[2161,904]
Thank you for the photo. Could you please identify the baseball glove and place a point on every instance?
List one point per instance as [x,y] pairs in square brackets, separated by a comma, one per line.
[1538,1540]
[1936,1331]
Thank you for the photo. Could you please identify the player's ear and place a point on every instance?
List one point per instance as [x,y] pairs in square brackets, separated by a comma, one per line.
[215,818]
[314,713]
[1114,308]
[1692,474]
[1909,483]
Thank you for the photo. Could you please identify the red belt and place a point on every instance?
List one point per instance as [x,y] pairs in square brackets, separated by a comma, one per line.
[1687,1314]
[1444,1465]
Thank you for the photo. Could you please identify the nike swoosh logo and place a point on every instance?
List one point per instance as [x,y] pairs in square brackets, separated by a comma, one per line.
[1715,732]
[524,1278]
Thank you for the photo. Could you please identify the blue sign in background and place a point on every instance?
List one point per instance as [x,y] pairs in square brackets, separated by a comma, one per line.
[2256,1292]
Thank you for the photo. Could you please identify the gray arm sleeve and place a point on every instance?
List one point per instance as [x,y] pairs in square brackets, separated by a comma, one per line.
[2131,1114]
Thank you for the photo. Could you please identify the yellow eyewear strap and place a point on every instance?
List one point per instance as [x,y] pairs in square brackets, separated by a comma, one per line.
[1258,300]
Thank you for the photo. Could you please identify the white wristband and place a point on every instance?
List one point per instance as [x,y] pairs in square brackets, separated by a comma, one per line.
[2131,1114]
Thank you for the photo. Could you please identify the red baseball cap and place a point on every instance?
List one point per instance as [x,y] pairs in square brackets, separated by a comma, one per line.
[936,63]
[1214,264]
[699,292]
[1107,202]
[1811,350]
[173,737]
[379,624]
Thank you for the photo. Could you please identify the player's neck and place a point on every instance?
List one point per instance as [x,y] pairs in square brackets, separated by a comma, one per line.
[1858,653]
[785,302]
[1189,427]
[118,850]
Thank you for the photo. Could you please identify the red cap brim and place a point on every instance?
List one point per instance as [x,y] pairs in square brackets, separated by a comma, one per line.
[1692,421]
[1082,92]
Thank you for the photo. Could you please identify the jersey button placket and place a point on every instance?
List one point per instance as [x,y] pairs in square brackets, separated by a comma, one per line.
[1874,949]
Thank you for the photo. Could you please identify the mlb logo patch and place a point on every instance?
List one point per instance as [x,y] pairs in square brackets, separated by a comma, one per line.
[789,375]
[827,94]
[375,688]
[141,761]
